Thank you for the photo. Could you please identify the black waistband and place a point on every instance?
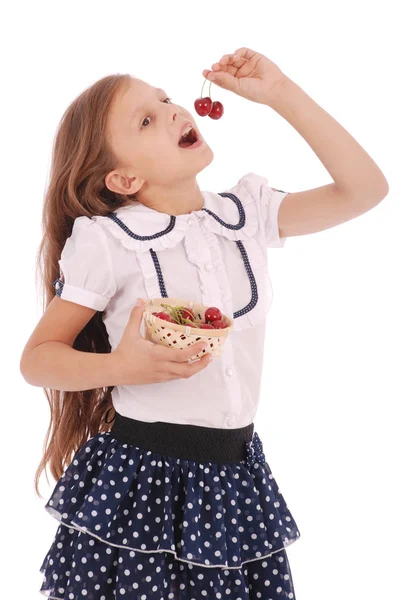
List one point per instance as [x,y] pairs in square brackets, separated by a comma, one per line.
[188,442]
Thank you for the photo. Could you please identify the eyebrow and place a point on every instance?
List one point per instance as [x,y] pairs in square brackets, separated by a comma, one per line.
[141,107]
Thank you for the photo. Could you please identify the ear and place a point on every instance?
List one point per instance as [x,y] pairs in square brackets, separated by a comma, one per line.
[122,184]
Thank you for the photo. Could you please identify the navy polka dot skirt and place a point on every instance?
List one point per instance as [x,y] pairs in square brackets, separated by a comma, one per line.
[162,511]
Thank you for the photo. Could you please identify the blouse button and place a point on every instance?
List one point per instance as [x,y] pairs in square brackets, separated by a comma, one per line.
[208,267]
[230,421]
[229,372]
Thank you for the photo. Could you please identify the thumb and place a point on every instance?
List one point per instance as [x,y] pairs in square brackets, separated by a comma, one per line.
[222,79]
[136,314]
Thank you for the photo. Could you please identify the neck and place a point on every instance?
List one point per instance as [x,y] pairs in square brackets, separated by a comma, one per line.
[175,202]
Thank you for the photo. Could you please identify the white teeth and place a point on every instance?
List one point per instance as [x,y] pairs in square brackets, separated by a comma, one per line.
[187,130]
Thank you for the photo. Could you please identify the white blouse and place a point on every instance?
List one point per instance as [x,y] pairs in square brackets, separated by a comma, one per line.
[215,256]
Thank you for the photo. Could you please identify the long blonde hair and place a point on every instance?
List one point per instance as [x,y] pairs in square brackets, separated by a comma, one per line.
[81,158]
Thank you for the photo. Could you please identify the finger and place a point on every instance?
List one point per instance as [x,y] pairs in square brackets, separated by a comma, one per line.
[195,367]
[218,67]
[237,58]
[180,371]
[225,64]
[177,355]
[188,353]
[243,54]
[229,63]
[226,59]
[219,74]
[147,335]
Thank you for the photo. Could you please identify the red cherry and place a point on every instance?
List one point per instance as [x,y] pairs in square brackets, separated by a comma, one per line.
[166,317]
[217,110]
[187,313]
[205,326]
[203,106]
[219,324]
[212,313]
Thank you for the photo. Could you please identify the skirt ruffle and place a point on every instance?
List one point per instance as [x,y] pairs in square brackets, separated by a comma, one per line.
[133,519]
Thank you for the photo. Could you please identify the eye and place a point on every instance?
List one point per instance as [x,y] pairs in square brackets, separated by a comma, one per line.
[147,117]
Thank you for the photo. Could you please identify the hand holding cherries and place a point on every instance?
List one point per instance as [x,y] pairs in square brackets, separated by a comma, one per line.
[247,73]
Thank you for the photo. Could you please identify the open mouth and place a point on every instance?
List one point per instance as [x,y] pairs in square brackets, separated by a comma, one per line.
[189,139]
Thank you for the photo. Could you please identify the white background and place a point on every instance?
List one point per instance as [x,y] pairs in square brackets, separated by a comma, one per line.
[331,391]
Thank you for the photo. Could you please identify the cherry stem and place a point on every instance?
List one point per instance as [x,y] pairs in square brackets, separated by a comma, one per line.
[175,313]
[204,86]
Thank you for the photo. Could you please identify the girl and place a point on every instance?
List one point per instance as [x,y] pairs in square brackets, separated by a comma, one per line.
[163,488]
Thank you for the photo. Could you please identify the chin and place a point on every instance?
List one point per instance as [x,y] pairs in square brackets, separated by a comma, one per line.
[210,154]
[207,159]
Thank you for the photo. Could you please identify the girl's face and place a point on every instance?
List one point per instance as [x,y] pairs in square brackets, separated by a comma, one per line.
[144,128]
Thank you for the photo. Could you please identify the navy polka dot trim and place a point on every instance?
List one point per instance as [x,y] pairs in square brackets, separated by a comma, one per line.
[163,292]
[254,288]
[58,285]
[128,231]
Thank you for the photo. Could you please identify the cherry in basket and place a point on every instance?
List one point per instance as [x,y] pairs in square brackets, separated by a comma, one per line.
[182,315]
[179,323]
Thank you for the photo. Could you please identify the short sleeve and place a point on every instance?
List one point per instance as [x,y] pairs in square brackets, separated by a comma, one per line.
[269,200]
[86,269]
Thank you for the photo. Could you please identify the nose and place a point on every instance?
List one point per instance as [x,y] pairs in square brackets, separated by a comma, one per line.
[176,118]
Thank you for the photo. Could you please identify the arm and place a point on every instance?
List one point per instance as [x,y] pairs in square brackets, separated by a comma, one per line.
[58,366]
[358,185]
[49,360]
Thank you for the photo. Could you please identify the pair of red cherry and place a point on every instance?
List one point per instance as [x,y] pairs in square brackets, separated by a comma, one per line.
[206,108]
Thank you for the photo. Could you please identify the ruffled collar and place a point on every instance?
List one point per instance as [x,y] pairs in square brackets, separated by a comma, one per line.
[140,228]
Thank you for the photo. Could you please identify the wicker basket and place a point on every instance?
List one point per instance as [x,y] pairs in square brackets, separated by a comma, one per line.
[182,336]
